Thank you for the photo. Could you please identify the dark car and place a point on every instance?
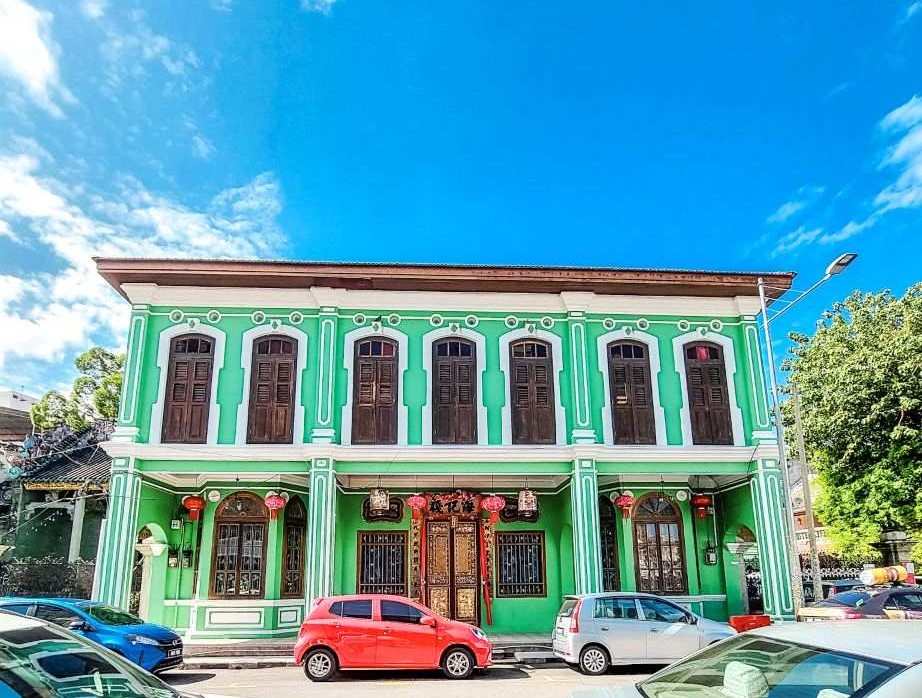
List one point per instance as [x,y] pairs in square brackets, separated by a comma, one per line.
[893,602]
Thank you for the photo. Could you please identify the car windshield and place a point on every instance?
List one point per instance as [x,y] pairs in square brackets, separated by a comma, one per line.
[852,599]
[41,659]
[110,615]
[751,666]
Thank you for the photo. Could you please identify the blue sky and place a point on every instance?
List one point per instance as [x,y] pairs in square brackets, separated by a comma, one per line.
[719,135]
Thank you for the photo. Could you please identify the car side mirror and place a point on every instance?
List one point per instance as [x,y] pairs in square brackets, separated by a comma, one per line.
[428,621]
[79,626]
[691,619]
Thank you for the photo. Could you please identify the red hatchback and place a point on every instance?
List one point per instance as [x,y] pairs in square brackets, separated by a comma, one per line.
[386,632]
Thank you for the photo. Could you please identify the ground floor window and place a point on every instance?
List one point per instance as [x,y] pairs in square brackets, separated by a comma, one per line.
[295,526]
[520,569]
[658,547]
[239,562]
[383,563]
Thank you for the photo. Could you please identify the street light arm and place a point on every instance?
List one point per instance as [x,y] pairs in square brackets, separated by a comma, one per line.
[800,298]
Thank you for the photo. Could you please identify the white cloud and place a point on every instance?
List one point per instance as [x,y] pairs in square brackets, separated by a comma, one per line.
[202,147]
[94,9]
[796,238]
[323,6]
[222,5]
[904,123]
[913,10]
[805,196]
[28,55]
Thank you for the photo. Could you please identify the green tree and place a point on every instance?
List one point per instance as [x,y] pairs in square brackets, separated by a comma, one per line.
[860,381]
[95,393]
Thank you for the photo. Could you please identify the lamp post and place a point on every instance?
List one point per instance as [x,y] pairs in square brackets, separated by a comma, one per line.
[836,267]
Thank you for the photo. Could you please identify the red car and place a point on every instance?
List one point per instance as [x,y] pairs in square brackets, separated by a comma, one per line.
[386,632]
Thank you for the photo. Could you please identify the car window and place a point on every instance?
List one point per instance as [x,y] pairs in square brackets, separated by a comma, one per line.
[70,665]
[360,608]
[566,610]
[909,602]
[397,612]
[111,615]
[615,607]
[750,665]
[654,609]
[56,614]
[852,599]
[20,608]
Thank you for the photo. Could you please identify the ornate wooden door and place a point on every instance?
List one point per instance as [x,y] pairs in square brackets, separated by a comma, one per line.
[452,569]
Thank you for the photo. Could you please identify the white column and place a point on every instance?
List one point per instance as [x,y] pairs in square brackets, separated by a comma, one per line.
[76,529]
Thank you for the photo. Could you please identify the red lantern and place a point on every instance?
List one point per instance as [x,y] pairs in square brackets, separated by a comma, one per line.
[624,502]
[417,503]
[701,502]
[274,502]
[194,504]
[493,504]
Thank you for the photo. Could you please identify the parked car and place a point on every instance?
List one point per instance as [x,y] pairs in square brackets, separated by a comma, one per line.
[597,630]
[888,602]
[830,587]
[386,632]
[38,658]
[153,647]
[788,660]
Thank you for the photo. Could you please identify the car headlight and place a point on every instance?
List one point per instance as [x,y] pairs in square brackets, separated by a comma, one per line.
[478,633]
[141,640]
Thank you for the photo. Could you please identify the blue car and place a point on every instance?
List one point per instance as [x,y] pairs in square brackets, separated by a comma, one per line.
[152,647]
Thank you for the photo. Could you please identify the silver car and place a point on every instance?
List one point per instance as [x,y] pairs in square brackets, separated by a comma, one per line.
[595,631]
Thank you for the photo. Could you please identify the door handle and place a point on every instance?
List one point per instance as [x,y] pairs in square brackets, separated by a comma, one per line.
[604,630]
[654,630]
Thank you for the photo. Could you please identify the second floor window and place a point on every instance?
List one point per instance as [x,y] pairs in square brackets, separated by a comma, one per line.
[532,392]
[188,389]
[374,402]
[272,390]
[631,393]
[454,392]
[708,396]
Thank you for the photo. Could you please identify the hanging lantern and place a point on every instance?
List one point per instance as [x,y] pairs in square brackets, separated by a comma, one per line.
[417,503]
[274,502]
[701,502]
[493,504]
[624,502]
[528,501]
[194,505]
[379,500]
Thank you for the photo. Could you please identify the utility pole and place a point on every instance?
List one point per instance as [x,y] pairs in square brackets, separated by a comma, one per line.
[808,498]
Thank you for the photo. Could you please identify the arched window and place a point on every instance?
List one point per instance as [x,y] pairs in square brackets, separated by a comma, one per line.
[708,397]
[631,393]
[608,535]
[188,389]
[454,392]
[659,555]
[374,402]
[238,567]
[293,553]
[272,390]
[532,391]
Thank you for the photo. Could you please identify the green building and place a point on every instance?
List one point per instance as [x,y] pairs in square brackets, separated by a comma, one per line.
[294,430]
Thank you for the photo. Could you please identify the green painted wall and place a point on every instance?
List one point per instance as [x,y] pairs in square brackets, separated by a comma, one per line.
[734,510]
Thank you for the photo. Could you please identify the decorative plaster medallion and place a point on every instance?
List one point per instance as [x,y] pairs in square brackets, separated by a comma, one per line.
[214,496]
[547,322]
[716,325]
[436,320]
[275,324]
[681,495]
[471,321]
[628,331]
[683,325]
[643,324]
[531,327]
[628,493]
[259,317]
[213,316]
[176,315]
[608,323]
[511,321]
[454,327]
[376,326]
[359,319]
[393,319]
[702,331]
[296,318]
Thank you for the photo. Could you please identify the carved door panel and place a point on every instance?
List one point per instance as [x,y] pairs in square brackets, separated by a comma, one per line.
[452,569]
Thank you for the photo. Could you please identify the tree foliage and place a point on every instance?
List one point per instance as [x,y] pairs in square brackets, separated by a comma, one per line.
[95,393]
[860,382]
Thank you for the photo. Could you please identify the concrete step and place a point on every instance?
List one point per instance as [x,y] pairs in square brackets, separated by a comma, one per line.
[264,662]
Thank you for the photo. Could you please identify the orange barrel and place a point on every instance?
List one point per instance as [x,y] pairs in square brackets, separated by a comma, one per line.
[743,623]
[883,575]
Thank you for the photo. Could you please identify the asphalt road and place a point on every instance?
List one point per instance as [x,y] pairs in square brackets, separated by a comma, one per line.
[508,682]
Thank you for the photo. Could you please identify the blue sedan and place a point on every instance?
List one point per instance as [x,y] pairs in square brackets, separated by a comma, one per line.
[153,647]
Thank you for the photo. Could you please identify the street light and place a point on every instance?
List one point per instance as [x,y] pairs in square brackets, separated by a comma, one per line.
[837,266]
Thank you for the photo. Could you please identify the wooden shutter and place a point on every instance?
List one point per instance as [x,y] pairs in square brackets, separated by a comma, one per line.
[631,393]
[708,397]
[375,392]
[272,390]
[532,393]
[188,390]
[454,392]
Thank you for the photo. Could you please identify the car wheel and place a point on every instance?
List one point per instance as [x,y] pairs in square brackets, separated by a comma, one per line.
[593,661]
[320,665]
[458,663]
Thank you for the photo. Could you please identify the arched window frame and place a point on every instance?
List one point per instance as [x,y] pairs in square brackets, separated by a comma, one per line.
[224,518]
[164,339]
[556,344]
[351,338]
[676,518]
[729,352]
[652,344]
[249,339]
[480,345]
[608,516]
[295,518]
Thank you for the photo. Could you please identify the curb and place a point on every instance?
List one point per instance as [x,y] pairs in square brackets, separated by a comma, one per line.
[205,663]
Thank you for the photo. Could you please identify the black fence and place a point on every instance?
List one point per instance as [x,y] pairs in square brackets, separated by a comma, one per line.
[47,577]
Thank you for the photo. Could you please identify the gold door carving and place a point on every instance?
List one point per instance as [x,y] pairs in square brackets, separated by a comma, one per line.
[452,569]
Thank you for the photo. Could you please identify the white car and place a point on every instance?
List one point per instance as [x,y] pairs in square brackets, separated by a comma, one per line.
[853,659]
[595,631]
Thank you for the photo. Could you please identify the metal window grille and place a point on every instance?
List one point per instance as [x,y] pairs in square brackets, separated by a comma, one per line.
[383,563]
[521,564]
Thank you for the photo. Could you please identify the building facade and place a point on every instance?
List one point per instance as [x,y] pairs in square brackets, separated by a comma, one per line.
[483,439]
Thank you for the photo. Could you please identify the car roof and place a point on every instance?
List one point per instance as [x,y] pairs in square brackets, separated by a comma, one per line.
[609,594]
[363,597]
[39,599]
[892,641]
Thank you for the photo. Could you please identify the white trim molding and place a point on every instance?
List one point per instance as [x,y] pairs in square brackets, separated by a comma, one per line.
[726,343]
[652,344]
[163,363]
[480,346]
[348,363]
[560,416]
[246,363]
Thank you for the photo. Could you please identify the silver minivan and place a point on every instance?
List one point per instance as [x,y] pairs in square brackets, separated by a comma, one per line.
[594,631]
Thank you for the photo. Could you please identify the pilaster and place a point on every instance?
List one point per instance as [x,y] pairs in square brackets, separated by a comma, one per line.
[587,546]
[324,431]
[582,431]
[115,557]
[126,428]
[769,509]
[321,529]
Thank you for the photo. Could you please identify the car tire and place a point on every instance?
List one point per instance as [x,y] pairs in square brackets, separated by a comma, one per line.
[320,665]
[458,663]
[593,660]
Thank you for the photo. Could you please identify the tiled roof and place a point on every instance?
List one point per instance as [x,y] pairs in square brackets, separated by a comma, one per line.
[77,460]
